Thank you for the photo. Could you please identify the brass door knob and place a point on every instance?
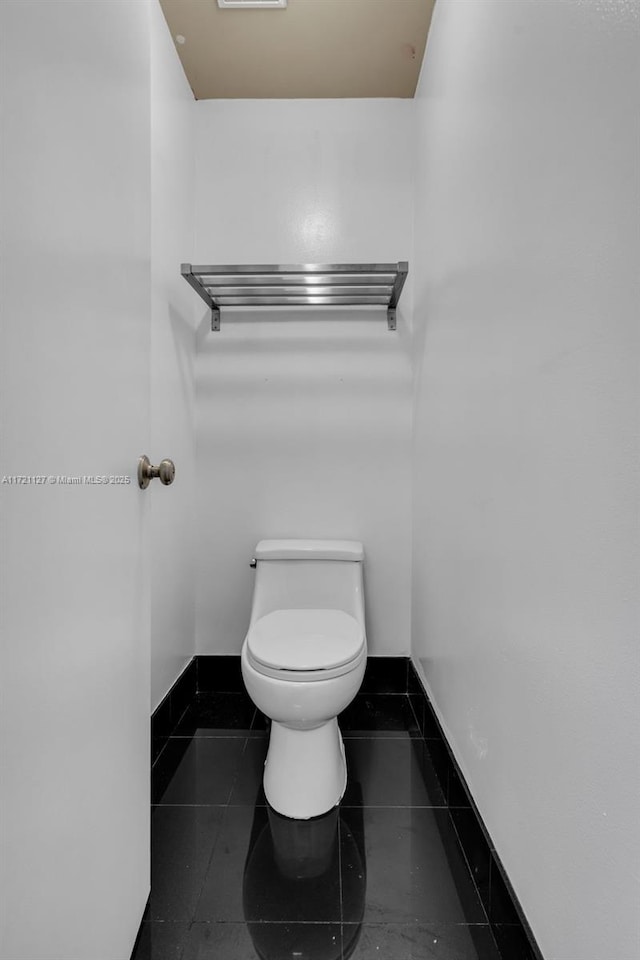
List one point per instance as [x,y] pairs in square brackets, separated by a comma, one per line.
[165,472]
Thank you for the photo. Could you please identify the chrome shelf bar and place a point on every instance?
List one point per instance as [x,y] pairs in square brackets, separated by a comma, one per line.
[301,284]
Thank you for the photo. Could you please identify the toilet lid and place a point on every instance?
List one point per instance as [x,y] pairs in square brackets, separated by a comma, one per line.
[305,639]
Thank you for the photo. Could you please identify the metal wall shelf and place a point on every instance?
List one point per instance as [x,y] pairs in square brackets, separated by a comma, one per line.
[298,285]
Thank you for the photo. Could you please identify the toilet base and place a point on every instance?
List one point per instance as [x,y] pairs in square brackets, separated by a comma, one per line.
[305,773]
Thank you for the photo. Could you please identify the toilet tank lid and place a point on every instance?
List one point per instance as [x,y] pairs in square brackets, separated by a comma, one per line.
[309,550]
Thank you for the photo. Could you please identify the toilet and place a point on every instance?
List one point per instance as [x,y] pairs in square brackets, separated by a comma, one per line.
[303,661]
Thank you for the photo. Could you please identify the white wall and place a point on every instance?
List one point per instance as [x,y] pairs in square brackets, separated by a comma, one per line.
[74,729]
[525,581]
[303,424]
[173,344]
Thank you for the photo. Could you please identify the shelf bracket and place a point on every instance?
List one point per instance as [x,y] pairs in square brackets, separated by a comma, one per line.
[401,276]
[187,272]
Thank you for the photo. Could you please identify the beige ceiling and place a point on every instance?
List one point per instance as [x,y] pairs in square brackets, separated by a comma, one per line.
[313,48]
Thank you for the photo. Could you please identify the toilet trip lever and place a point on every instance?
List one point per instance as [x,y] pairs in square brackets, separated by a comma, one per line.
[164,472]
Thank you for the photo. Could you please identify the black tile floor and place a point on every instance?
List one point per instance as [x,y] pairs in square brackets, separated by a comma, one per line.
[381,878]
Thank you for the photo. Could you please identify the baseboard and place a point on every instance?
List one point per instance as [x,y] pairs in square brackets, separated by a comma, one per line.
[508,922]
[219,674]
[222,674]
[168,712]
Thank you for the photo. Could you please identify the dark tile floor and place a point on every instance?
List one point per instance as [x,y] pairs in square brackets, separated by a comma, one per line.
[381,878]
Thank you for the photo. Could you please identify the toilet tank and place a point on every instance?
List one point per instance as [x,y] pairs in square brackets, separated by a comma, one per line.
[308,574]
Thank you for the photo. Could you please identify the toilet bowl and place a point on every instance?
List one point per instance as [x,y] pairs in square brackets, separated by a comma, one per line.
[303,661]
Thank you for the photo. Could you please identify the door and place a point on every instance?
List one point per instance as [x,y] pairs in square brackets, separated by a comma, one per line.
[75,410]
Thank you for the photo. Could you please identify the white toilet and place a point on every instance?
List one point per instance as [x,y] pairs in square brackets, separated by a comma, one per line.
[303,661]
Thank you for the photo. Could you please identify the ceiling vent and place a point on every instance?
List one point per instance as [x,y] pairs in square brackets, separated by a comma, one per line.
[252,4]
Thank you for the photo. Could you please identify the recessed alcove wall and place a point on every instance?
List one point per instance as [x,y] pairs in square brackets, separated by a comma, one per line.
[303,420]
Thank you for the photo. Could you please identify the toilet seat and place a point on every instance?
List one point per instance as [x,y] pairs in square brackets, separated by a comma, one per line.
[305,644]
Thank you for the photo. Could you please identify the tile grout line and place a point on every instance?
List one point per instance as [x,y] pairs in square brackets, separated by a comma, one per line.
[468,864]
[169,737]
[237,774]
[344,806]
[448,808]
[214,847]
[452,766]
[257,734]
[340,884]
[415,716]
[224,807]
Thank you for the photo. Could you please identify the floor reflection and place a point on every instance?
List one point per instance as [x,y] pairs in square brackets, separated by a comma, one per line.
[297,862]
